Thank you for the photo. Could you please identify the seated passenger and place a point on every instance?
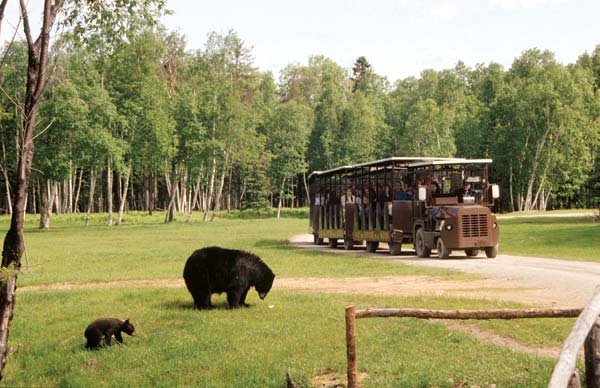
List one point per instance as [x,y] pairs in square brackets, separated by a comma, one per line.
[348,197]
[434,190]
[398,191]
[465,191]
[385,204]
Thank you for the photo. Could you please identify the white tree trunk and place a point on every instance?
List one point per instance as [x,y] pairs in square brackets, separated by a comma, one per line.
[211,186]
[123,194]
[109,192]
[280,198]
[90,204]
[220,191]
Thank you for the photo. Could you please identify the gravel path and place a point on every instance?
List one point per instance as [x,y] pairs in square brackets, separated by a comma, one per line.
[535,281]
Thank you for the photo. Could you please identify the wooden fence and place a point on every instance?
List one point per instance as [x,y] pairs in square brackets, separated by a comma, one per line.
[586,330]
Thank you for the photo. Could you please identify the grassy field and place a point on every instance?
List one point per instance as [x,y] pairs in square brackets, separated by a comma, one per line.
[179,346]
[146,248]
[252,347]
[571,238]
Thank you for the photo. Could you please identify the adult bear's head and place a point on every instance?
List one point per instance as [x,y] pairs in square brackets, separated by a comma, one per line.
[265,282]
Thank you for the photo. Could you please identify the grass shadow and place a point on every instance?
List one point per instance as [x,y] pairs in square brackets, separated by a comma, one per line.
[274,244]
[186,305]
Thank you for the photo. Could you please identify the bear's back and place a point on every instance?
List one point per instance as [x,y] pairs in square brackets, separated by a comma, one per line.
[213,266]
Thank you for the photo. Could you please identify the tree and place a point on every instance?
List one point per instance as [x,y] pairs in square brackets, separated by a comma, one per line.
[429,130]
[545,129]
[37,72]
[360,72]
[287,142]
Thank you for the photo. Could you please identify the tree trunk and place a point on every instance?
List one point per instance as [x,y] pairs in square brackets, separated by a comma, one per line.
[280,198]
[109,192]
[6,180]
[123,195]
[7,183]
[44,211]
[229,189]
[154,194]
[56,198]
[90,205]
[172,184]
[210,188]
[220,191]
[76,202]
[146,181]
[307,202]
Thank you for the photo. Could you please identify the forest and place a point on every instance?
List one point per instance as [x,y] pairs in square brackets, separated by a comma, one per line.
[144,123]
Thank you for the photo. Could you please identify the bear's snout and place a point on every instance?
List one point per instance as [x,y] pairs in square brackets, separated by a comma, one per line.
[262,295]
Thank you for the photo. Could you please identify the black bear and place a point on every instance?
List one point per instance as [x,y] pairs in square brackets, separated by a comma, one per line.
[214,270]
[106,328]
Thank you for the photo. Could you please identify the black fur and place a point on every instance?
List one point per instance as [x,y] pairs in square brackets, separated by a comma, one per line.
[106,328]
[214,270]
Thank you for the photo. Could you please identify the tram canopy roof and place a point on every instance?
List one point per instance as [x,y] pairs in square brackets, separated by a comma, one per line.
[450,162]
[400,161]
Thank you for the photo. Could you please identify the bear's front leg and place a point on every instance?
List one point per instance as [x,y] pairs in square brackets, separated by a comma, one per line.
[119,337]
[233,298]
[243,298]
[108,338]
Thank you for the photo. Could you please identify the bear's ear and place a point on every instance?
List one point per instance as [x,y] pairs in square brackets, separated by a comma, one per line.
[126,321]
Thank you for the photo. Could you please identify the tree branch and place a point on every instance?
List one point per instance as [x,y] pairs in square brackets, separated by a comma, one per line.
[2,8]
[26,27]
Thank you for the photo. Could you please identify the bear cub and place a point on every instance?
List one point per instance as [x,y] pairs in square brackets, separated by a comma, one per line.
[214,270]
[106,328]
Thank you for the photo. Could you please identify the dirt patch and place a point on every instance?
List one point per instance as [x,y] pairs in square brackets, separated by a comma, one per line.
[329,379]
[495,338]
[419,286]
[425,286]
[168,283]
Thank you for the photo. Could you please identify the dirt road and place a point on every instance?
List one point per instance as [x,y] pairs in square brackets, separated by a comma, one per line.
[535,281]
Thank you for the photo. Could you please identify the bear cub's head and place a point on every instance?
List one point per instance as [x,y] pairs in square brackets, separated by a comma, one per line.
[263,286]
[128,328]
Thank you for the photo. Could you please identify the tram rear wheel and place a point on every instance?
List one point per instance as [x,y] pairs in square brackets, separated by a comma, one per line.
[372,246]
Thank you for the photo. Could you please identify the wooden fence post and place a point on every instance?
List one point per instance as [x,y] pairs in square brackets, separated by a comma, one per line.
[563,369]
[592,356]
[351,347]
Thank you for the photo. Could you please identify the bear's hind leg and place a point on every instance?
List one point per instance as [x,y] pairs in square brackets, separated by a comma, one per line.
[94,337]
[202,300]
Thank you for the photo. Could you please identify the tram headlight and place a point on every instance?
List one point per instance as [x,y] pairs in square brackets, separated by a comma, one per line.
[448,227]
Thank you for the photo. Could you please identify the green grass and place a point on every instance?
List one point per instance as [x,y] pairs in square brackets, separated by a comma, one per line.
[146,248]
[571,238]
[179,346]
[547,332]
[536,213]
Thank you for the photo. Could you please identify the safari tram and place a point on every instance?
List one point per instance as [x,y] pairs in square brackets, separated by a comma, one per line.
[442,204]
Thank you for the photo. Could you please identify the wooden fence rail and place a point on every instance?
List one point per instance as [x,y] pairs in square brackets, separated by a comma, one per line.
[591,312]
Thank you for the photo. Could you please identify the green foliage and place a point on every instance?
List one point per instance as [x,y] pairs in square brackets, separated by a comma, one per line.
[429,130]
[136,97]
